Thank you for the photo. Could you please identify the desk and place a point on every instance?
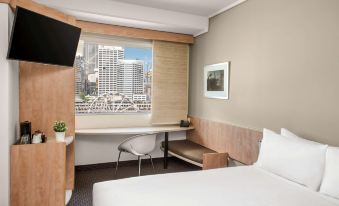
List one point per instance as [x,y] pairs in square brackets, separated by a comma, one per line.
[137,130]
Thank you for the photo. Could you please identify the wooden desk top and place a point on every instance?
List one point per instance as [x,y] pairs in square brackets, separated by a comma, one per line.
[132,130]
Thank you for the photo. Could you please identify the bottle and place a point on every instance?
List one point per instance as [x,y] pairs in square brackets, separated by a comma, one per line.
[25,132]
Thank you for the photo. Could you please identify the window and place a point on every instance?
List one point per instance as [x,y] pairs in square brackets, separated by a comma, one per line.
[113,75]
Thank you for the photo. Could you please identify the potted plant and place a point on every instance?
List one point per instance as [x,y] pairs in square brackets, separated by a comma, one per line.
[60,129]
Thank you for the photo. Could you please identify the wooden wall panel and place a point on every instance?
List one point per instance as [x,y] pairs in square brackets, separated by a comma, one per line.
[5,1]
[240,143]
[46,95]
[38,174]
[44,10]
[114,30]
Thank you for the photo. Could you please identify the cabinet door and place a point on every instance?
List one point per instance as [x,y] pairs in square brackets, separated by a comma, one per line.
[38,174]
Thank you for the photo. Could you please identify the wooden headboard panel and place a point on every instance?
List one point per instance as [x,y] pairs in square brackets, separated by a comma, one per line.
[240,143]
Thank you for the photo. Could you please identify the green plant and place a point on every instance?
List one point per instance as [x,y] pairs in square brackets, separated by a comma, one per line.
[59,126]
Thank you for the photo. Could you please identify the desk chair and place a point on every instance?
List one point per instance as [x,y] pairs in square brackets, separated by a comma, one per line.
[139,145]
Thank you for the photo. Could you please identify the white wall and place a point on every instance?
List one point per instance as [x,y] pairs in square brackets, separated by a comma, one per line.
[90,149]
[101,149]
[9,106]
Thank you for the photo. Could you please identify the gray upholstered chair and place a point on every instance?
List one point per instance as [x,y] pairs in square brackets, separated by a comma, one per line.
[139,145]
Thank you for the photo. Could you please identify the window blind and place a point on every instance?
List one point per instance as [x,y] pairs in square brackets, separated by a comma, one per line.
[170,82]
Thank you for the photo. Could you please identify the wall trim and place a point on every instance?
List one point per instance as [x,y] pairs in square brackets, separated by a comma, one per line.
[201,32]
[227,8]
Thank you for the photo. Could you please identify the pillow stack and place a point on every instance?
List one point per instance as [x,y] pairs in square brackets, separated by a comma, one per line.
[293,158]
[305,162]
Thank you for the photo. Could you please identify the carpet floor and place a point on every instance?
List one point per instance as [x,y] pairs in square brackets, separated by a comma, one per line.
[86,176]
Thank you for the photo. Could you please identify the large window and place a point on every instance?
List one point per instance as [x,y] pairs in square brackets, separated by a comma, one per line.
[113,75]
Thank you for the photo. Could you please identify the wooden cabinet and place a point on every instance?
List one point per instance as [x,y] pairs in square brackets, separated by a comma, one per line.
[39,174]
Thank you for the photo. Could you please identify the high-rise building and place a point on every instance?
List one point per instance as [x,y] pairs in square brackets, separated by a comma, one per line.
[92,83]
[130,77]
[148,84]
[90,56]
[108,65]
[90,53]
[79,66]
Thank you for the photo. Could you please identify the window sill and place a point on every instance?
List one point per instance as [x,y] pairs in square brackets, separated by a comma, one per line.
[114,114]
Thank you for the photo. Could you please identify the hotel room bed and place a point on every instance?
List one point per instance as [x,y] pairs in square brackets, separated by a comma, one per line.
[237,186]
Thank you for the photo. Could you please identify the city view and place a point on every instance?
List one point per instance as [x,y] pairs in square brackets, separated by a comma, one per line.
[112,79]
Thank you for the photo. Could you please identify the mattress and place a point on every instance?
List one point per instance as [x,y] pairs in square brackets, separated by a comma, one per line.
[236,186]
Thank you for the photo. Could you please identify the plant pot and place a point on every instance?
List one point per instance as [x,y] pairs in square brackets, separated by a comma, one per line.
[60,136]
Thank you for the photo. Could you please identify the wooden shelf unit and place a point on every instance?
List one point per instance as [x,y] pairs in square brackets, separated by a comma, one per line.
[46,94]
[39,174]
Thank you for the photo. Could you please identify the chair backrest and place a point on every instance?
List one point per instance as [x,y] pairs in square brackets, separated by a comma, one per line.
[141,144]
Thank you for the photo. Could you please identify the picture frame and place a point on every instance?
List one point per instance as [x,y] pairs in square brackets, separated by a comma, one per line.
[216,81]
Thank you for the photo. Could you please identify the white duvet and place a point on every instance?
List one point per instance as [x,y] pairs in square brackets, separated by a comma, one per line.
[236,186]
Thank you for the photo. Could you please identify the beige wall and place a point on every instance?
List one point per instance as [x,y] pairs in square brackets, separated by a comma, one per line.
[284,72]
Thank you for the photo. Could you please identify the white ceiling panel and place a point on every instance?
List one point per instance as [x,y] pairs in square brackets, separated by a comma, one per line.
[198,7]
[179,16]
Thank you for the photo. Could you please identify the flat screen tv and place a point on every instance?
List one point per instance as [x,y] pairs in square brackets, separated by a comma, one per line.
[38,38]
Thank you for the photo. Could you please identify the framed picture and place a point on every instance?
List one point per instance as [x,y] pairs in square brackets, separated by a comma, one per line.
[216,77]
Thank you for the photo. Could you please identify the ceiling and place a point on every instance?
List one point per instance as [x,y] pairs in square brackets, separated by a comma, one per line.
[178,16]
[198,7]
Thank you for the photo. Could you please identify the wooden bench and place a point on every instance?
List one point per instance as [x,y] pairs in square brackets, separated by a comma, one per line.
[197,154]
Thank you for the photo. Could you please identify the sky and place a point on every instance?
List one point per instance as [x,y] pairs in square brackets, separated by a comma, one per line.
[140,54]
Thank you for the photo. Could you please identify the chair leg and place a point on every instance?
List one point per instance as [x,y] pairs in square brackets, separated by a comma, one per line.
[139,160]
[150,157]
[116,167]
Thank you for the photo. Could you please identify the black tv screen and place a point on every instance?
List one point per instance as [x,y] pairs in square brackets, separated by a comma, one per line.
[38,38]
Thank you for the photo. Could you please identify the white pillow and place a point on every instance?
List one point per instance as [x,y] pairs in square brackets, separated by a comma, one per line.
[330,184]
[286,133]
[300,161]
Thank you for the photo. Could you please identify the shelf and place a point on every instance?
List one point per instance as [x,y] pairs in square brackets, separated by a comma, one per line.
[68,140]
[68,196]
